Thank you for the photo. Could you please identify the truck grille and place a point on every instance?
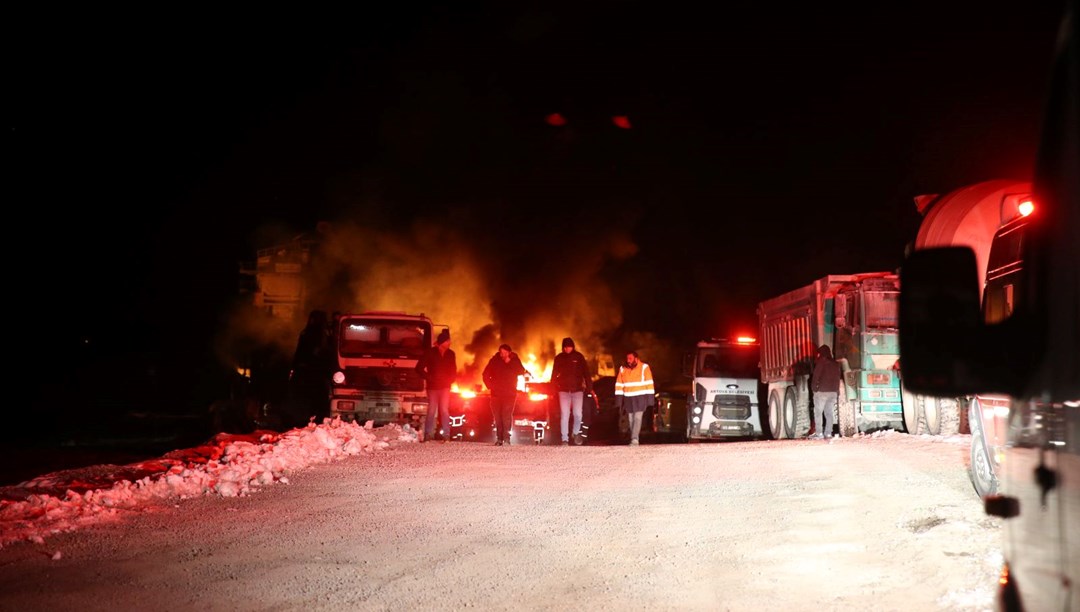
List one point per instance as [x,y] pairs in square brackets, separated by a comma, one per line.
[731,407]
[384,379]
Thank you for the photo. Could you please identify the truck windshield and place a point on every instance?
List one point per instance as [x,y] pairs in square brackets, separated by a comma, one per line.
[382,338]
[882,309]
[728,362]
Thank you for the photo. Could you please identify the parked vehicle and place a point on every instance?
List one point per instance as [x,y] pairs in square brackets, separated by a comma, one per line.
[536,416]
[1031,355]
[855,315]
[376,378]
[726,396]
[989,412]
[989,217]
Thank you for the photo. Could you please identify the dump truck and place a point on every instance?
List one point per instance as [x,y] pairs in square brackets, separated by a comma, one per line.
[855,315]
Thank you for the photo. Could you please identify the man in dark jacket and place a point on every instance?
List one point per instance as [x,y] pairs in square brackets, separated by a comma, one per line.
[438,366]
[824,382]
[501,377]
[570,374]
[309,378]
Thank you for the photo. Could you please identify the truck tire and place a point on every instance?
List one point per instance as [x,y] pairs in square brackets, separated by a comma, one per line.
[845,413]
[679,428]
[792,426]
[931,415]
[912,407]
[776,416]
[948,416]
[982,472]
[763,421]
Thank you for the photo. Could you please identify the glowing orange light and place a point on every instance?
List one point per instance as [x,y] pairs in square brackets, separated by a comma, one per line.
[555,119]
[465,393]
[745,340]
[621,121]
[1026,207]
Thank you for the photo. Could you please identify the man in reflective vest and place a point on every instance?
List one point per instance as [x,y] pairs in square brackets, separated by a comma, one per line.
[634,392]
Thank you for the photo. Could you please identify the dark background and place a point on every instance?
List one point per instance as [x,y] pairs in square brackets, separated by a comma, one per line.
[152,151]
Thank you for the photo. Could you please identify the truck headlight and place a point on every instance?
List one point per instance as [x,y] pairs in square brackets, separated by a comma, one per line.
[339,377]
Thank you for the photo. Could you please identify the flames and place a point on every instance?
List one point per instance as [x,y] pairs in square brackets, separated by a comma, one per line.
[537,363]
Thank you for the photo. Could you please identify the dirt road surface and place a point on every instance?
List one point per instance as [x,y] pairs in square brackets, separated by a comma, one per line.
[870,523]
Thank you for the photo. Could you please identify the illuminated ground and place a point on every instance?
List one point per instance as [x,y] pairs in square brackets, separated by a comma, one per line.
[886,522]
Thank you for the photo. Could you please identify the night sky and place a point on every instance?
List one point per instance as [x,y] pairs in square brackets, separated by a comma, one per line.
[766,147]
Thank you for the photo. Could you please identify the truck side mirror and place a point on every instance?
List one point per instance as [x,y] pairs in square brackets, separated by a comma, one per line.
[945,349]
[939,318]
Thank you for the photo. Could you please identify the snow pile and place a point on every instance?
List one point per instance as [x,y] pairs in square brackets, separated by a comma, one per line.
[235,469]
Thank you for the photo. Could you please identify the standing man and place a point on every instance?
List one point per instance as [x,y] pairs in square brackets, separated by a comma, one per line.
[634,392]
[570,373]
[824,382]
[501,377]
[438,367]
[312,365]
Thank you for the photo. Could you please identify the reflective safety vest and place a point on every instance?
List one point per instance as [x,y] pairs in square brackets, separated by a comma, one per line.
[637,381]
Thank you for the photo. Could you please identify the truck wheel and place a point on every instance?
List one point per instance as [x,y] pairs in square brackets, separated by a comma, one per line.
[845,415]
[776,416]
[948,416]
[931,415]
[680,426]
[910,403]
[791,417]
[982,471]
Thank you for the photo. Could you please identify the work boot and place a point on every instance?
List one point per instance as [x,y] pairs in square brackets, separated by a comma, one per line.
[578,440]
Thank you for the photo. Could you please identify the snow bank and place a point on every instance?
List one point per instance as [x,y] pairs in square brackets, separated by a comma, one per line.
[232,467]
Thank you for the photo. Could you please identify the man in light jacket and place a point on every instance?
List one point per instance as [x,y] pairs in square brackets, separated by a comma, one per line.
[634,392]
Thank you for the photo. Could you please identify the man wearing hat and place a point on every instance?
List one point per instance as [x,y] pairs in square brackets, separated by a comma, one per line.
[570,373]
[501,377]
[438,367]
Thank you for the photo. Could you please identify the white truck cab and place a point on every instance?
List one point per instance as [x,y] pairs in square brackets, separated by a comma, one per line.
[724,400]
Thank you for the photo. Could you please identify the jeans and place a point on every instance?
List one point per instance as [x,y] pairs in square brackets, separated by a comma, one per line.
[635,419]
[438,402]
[568,399]
[824,405]
[502,410]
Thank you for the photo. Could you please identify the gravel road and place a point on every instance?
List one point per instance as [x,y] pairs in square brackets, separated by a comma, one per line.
[884,522]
